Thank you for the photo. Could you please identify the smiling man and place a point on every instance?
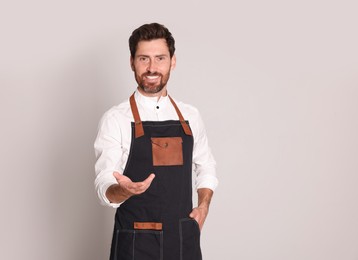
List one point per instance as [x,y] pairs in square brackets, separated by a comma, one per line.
[152,72]
[147,149]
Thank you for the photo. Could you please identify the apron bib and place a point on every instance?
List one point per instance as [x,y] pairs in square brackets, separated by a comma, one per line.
[155,225]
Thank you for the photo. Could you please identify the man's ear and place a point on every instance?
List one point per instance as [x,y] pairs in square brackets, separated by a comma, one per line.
[173,62]
[131,60]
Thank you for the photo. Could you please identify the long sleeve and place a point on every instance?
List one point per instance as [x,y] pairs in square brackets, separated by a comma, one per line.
[203,160]
[108,151]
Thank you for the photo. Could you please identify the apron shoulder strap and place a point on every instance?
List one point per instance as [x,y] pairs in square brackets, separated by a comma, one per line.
[138,126]
[185,126]
[139,131]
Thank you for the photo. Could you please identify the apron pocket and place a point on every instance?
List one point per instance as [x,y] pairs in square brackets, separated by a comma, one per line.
[137,245]
[148,245]
[167,151]
[122,245]
[189,239]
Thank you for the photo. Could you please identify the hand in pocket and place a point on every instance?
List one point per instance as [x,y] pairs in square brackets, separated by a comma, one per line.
[199,214]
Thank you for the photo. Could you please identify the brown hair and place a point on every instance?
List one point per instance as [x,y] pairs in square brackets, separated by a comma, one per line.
[149,32]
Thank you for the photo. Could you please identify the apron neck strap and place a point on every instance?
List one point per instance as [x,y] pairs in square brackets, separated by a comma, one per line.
[138,126]
[183,123]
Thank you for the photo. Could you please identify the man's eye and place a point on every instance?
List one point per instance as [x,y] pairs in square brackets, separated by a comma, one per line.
[143,59]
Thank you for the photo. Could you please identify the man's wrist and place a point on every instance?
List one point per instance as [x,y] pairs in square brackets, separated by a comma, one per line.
[204,198]
[116,194]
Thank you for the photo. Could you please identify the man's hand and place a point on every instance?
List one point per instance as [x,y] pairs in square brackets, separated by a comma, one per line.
[133,188]
[125,188]
[201,212]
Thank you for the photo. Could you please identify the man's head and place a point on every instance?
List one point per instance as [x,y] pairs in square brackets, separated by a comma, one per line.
[152,58]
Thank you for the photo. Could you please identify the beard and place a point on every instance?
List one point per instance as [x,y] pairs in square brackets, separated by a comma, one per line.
[152,87]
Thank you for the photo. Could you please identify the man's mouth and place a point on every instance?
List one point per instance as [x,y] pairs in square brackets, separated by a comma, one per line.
[152,77]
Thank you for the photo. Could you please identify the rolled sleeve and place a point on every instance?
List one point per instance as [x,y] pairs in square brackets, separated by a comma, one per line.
[206,178]
[203,160]
[108,150]
[101,185]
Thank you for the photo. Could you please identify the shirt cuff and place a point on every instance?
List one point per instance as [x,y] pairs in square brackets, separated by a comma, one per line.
[102,195]
[209,182]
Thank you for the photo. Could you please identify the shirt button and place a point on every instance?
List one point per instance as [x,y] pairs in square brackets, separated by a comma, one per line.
[157,107]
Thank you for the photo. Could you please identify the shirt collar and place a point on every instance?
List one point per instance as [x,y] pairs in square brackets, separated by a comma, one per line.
[151,102]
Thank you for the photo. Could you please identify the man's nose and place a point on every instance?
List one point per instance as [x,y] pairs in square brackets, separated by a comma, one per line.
[151,66]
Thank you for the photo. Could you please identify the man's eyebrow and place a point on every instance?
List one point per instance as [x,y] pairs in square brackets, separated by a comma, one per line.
[147,56]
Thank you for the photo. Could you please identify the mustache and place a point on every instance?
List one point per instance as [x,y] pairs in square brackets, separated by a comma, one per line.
[151,74]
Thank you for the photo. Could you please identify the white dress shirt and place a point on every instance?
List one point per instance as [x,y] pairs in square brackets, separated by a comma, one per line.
[113,141]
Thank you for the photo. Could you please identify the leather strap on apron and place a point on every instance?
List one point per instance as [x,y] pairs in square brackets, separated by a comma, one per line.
[138,122]
[185,126]
[148,225]
[139,131]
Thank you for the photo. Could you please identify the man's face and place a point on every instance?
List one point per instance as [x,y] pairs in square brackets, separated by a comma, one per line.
[152,65]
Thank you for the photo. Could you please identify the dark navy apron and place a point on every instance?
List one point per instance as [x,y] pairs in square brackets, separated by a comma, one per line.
[155,225]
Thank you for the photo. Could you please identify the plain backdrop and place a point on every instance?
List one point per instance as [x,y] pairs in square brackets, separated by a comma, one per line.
[276,83]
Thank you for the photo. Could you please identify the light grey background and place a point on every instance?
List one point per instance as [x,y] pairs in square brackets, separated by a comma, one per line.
[276,83]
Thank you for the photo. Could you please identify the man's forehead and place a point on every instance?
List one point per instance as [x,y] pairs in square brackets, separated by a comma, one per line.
[156,46]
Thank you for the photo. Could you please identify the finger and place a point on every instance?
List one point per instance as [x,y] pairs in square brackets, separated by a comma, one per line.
[193,214]
[138,187]
[117,175]
[149,179]
[142,187]
[198,220]
[147,182]
[120,177]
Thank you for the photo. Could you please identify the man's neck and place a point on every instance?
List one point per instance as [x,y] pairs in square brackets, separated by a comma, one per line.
[159,94]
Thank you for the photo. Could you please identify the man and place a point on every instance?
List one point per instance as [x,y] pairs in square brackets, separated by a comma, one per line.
[145,151]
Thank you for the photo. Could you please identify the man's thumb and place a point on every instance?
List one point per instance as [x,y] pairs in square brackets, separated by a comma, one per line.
[117,175]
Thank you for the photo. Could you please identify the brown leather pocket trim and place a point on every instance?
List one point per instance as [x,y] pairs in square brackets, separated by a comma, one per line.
[167,151]
[148,225]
